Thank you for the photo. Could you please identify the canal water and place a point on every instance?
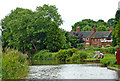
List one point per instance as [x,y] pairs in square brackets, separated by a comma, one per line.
[71,71]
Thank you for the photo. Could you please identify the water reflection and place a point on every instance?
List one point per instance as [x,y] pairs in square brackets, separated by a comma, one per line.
[72,71]
[118,74]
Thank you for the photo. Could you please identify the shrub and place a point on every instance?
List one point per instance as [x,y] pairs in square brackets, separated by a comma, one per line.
[67,45]
[14,65]
[83,55]
[107,46]
[110,50]
[116,47]
[79,55]
[64,55]
[109,59]
[81,46]
[43,55]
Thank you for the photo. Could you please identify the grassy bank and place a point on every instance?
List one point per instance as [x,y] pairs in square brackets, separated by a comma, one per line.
[14,65]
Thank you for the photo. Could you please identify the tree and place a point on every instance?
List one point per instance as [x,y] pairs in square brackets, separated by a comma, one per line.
[100,22]
[67,36]
[88,22]
[107,29]
[23,28]
[87,28]
[17,29]
[101,28]
[110,22]
[54,40]
[117,34]
[75,40]
[117,17]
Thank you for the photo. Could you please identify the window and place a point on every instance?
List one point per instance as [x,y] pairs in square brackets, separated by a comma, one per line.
[93,39]
[87,38]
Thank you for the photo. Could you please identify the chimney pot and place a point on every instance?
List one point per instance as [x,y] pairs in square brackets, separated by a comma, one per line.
[94,29]
[77,29]
[111,29]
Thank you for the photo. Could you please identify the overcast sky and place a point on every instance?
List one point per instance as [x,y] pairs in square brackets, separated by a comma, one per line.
[71,10]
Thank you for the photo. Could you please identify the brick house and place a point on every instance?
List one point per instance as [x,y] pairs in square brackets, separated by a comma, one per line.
[102,38]
[95,38]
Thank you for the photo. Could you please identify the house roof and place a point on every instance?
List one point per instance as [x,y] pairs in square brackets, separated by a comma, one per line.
[84,34]
[102,34]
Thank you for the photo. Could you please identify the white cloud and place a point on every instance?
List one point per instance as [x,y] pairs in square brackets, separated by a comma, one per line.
[70,10]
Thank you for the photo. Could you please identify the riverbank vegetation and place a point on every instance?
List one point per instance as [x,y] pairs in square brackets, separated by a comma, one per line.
[14,65]
[76,56]
[62,56]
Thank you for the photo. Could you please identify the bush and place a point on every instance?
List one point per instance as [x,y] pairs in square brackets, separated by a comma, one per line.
[116,47]
[64,55]
[81,46]
[79,55]
[110,49]
[109,59]
[14,65]
[43,55]
[67,45]
[107,46]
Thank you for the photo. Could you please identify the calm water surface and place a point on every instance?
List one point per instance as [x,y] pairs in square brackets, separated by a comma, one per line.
[71,71]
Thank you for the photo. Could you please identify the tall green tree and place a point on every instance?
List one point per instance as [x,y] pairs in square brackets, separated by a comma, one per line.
[117,17]
[17,29]
[117,34]
[23,28]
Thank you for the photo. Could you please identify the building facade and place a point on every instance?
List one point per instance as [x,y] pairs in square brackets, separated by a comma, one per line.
[95,38]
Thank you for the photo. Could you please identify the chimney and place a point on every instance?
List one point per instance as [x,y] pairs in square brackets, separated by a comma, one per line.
[94,29]
[77,29]
[111,29]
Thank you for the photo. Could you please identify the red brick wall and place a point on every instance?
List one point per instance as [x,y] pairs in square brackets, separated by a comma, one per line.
[87,41]
[96,42]
[106,43]
[99,43]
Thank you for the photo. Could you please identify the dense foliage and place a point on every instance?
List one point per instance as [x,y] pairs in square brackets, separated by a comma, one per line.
[62,56]
[117,17]
[110,50]
[117,33]
[88,24]
[74,40]
[24,29]
[14,65]
[79,56]
[109,60]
